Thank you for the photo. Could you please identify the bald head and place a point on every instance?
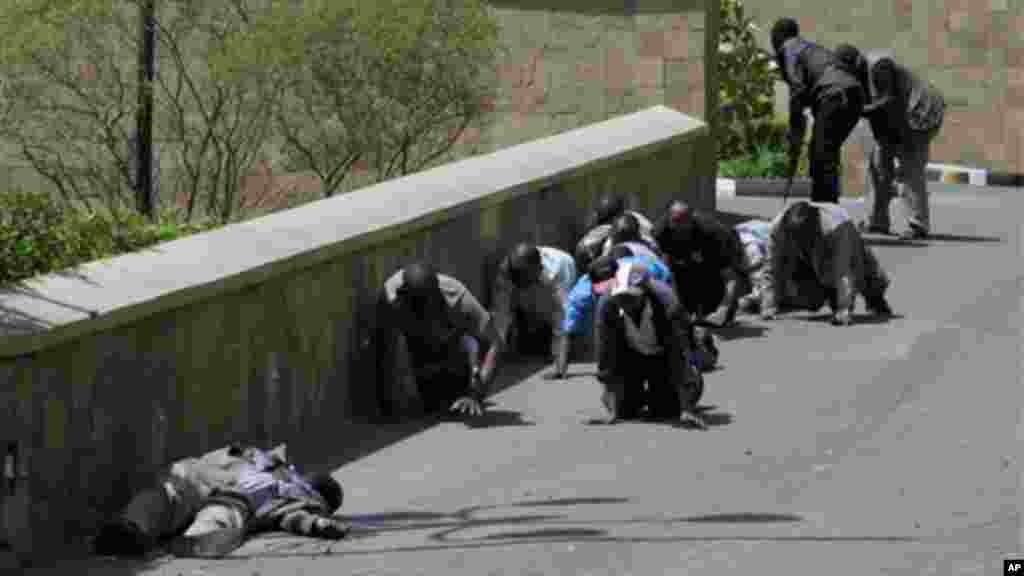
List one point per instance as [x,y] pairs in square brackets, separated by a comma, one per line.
[679,213]
[608,207]
[625,229]
[420,280]
[782,30]
[524,264]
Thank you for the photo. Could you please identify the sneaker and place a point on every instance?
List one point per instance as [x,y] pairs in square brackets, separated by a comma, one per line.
[121,538]
[914,234]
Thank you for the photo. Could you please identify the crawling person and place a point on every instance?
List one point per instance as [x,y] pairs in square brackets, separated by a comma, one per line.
[642,362]
[171,507]
[597,240]
[754,236]
[815,256]
[431,327]
[530,294]
[707,261]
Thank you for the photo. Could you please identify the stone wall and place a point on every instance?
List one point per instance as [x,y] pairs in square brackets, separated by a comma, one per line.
[973,50]
[260,331]
[569,63]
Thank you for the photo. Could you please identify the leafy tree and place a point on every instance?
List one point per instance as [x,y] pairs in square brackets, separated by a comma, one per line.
[389,83]
[71,94]
[747,77]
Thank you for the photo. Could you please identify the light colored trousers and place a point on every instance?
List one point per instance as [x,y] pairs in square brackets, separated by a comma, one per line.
[881,175]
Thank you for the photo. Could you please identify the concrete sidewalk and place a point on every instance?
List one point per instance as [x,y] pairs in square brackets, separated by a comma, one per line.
[880,448]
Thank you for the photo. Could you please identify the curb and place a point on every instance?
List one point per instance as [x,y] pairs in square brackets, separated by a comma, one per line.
[945,173]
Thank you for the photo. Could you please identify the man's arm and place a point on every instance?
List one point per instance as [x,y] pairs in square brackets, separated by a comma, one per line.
[844,267]
[302,522]
[481,325]
[769,276]
[575,309]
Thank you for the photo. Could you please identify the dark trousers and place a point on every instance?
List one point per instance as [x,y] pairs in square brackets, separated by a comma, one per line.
[624,372]
[835,116]
[442,381]
[701,289]
[532,338]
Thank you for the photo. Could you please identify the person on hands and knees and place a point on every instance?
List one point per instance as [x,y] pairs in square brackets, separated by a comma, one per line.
[643,331]
[816,255]
[530,294]
[583,303]
[597,240]
[707,262]
[431,328]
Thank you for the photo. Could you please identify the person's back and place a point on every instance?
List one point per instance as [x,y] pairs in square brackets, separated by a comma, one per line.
[812,70]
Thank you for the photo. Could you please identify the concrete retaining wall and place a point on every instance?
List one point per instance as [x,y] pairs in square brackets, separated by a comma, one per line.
[259,332]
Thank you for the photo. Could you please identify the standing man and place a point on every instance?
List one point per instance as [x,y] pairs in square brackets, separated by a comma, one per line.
[905,114]
[430,326]
[817,81]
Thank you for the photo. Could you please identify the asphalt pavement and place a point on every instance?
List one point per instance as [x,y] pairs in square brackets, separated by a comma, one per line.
[881,448]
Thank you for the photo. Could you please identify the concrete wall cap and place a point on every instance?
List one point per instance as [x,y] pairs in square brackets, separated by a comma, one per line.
[47,310]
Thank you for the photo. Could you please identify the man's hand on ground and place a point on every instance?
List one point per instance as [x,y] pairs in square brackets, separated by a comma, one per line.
[691,419]
[842,318]
[468,406]
[331,528]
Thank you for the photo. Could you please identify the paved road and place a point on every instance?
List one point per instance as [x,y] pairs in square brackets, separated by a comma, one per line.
[876,449]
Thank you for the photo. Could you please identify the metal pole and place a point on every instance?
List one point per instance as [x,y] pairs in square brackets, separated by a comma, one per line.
[144,141]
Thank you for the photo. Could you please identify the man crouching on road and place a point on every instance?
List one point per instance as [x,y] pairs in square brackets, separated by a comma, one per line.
[430,327]
[642,327]
[816,255]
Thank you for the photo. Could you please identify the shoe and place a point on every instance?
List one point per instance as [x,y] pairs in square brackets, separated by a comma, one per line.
[331,529]
[914,234]
[121,538]
[879,307]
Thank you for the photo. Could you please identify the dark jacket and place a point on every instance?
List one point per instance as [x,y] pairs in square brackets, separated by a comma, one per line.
[838,260]
[909,104]
[812,73]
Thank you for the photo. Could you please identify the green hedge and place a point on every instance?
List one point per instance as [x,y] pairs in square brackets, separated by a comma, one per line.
[39,235]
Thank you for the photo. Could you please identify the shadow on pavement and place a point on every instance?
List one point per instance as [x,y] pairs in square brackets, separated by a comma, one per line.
[877,240]
[496,418]
[363,438]
[739,331]
[547,528]
[858,318]
[966,239]
[744,518]
[893,241]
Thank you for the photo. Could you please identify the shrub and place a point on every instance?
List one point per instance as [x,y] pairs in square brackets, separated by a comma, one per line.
[747,74]
[746,82]
[39,235]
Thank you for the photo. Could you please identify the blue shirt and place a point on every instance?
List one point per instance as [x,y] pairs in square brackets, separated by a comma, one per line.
[582,300]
